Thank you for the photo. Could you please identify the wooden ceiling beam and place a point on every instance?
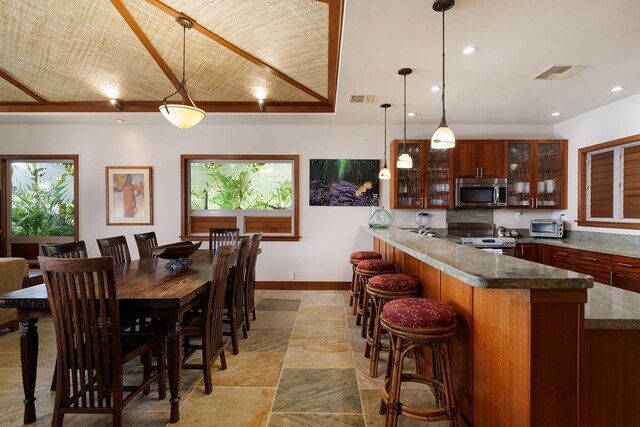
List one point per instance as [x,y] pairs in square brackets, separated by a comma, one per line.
[235,49]
[152,106]
[20,86]
[135,27]
[336,9]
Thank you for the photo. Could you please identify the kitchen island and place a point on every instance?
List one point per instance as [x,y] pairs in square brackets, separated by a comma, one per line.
[516,353]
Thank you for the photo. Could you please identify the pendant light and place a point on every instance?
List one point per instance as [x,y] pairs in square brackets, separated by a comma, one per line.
[443,137]
[404,160]
[385,173]
[182,115]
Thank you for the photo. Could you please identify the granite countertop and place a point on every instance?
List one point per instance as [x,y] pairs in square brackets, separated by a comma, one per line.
[480,268]
[609,307]
[623,249]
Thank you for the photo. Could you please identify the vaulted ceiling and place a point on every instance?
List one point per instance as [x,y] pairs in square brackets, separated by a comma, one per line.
[74,56]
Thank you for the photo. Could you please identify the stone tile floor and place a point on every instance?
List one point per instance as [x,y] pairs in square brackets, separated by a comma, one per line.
[302,365]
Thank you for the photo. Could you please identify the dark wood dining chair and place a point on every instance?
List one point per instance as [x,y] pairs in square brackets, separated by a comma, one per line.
[207,323]
[250,280]
[116,247]
[91,349]
[65,250]
[146,241]
[234,299]
[223,236]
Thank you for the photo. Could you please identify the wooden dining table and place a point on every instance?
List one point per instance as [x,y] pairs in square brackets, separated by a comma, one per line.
[145,289]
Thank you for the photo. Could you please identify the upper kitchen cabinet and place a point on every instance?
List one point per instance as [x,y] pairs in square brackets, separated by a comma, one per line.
[536,174]
[408,185]
[440,179]
[477,158]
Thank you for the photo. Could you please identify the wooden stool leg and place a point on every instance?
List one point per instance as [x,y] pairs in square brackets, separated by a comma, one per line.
[450,395]
[356,294]
[375,338]
[366,308]
[393,403]
[352,293]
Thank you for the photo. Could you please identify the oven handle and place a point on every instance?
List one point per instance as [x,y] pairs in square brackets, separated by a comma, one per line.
[496,194]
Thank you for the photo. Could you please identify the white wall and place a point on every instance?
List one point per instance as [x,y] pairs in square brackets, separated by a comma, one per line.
[617,120]
[329,234]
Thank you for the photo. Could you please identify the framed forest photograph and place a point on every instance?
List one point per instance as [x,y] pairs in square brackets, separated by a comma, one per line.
[343,182]
[129,195]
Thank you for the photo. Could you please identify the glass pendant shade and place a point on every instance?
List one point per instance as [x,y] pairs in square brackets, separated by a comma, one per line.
[385,173]
[182,116]
[443,138]
[404,161]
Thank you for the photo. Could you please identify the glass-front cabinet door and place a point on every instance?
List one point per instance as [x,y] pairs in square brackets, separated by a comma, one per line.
[407,185]
[520,191]
[550,174]
[440,179]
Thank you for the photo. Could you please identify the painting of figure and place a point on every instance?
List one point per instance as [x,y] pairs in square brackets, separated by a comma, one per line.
[128,195]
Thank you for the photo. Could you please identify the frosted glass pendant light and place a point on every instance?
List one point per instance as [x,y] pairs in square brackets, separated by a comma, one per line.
[443,137]
[404,160]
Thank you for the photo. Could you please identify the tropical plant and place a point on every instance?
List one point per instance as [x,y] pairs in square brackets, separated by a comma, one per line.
[42,199]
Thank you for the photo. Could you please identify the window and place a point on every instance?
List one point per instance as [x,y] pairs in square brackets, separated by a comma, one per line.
[252,193]
[610,184]
[39,200]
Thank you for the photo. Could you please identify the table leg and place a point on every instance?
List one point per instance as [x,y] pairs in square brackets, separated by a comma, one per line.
[29,363]
[174,360]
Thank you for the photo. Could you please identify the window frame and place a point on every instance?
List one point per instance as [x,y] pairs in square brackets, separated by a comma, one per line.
[584,181]
[5,214]
[185,192]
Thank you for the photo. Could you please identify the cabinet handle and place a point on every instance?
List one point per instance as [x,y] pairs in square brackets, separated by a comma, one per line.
[624,264]
[477,172]
[562,253]
[592,259]
[481,172]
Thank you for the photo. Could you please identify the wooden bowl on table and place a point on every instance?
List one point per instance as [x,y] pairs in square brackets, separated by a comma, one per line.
[177,253]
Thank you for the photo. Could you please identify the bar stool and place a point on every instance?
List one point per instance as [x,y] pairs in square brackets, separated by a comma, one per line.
[380,290]
[355,258]
[364,271]
[414,324]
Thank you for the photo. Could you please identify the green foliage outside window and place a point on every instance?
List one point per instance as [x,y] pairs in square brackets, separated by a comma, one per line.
[42,199]
[241,185]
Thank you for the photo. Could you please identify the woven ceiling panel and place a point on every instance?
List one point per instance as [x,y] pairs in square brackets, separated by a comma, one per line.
[10,93]
[76,51]
[214,73]
[291,35]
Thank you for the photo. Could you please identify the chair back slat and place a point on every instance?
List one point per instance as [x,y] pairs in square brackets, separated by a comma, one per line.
[82,296]
[236,281]
[215,299]
[223,236]
[65,250]
[250,275]
[146,241]
[115,247]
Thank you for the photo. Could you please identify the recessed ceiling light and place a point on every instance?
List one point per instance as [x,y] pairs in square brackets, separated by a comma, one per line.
[468,50]
[556,114]
[616,89]
[412,114]
[120,120]
[435,88]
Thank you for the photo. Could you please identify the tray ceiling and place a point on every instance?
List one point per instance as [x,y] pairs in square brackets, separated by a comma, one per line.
[75,56]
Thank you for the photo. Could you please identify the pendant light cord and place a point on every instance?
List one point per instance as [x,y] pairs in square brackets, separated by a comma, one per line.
[385,137]
[184,48]
[444,113]
[404,143]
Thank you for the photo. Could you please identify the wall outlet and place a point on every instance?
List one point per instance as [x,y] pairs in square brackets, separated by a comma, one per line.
[292,275]
[518,215]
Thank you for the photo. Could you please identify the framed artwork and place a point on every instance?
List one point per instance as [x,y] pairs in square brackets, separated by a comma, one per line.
[129,195]
[343,182]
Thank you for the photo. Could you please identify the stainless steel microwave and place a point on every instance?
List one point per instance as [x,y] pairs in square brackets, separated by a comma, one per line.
[487,192]
[546,228]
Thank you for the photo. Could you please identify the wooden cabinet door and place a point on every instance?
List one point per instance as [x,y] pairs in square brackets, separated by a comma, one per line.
[626,273]
[564,258]
[467,158]
[520,169]
[528,251]
[595,264]
[550,174]
[544,254]
[492,163]
[440,189]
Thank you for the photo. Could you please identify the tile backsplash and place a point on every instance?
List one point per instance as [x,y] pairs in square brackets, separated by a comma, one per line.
[470,215]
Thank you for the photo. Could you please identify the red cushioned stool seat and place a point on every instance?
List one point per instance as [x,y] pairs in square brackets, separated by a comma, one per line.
[355,258]
[378,266]
[394,283]
[416,325]
[419,313]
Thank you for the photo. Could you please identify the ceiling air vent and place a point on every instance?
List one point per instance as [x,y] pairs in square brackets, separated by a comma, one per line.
[361,99]
[558,72]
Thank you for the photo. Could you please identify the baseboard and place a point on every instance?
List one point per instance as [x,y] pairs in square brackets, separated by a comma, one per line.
[304,286]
